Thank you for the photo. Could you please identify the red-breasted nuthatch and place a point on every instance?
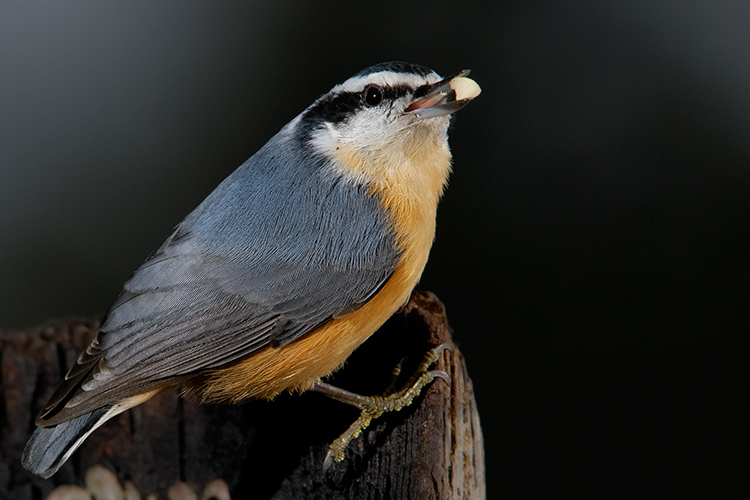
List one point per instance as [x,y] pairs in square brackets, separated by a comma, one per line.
[292,262]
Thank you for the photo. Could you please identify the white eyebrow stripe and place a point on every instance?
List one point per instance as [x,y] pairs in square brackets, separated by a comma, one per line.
[385,78]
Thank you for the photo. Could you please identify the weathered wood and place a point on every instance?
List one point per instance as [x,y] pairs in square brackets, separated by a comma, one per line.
[431,450]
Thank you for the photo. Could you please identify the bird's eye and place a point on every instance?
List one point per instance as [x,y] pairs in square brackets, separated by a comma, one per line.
[373,96]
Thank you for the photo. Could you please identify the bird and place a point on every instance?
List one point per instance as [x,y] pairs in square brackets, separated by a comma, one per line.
[290,264]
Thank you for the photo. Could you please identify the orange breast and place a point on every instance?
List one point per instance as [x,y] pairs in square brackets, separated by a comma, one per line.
[412,205]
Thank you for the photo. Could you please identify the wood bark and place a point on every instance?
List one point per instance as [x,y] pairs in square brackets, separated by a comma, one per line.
[430,450]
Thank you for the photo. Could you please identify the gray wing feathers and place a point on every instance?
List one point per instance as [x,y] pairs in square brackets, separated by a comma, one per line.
[279,248]
[48,449]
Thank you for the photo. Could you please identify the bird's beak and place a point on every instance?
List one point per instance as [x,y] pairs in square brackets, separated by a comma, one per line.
[445,97]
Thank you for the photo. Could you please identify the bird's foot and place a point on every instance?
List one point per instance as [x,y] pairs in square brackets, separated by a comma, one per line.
[373,407]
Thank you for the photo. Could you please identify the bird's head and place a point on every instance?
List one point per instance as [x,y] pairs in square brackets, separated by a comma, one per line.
[387,122]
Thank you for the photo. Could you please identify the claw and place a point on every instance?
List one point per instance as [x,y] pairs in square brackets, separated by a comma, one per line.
[440,374]
[434,354]
[327,462]
[445,346]
[374,406]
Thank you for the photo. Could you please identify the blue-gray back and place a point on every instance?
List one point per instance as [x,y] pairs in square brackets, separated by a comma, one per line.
[280,247]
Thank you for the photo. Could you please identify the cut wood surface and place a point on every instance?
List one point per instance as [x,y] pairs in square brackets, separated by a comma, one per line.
[263,450]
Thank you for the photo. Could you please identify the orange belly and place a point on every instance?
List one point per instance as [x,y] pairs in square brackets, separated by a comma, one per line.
[296,366]
[412,205]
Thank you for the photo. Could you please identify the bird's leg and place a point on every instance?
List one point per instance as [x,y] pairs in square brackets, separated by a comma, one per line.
[374,406]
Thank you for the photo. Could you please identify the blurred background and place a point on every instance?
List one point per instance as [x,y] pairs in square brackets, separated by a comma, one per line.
[592,249]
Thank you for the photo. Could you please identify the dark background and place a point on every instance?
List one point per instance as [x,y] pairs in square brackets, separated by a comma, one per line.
[592,248]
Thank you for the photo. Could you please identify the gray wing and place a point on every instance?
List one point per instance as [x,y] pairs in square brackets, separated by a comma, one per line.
[269,256]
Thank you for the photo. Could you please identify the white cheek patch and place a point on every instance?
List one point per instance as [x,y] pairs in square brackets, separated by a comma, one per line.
[367,130]
[372,140]
[324,140]
[327,142]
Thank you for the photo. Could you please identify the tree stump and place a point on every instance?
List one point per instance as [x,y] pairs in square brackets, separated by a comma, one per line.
[431,450]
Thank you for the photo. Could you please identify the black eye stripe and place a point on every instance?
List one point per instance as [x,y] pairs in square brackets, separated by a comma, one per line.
[422,91]
[335,108]
[395,92]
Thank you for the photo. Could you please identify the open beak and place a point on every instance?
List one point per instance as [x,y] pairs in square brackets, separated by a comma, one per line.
[445,97]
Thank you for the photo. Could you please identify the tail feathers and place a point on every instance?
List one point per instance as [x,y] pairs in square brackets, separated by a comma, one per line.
[50,447]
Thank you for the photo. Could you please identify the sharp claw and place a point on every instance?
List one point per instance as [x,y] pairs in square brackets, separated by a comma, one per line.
[445,346]
[327,463]
[440,374]
[435,352]
[374,406]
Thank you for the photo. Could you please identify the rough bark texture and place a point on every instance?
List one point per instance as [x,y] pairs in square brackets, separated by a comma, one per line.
[431,450]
